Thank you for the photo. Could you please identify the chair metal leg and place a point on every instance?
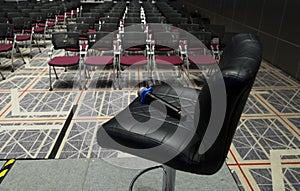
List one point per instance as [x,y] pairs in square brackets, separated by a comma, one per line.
[80,77]
[3,78]
[12,60]
[169,179]
[18,49]
[37,43]
[30,47]
[55,73]
[50,79]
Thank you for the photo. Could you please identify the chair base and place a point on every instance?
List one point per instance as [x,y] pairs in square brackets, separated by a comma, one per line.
[168,177]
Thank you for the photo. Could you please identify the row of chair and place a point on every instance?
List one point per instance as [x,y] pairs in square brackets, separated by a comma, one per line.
[145,46]
[131,12]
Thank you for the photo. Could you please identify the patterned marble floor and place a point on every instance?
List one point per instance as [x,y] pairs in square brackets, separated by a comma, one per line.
[265,154]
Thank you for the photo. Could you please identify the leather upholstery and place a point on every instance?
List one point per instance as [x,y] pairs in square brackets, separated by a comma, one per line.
[239,65]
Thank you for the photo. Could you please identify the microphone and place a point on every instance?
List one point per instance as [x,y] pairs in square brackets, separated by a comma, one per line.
[146,97]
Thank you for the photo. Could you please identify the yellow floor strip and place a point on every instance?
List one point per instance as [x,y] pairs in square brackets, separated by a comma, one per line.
[6,168]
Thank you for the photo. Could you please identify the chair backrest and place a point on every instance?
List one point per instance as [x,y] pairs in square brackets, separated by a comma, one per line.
[81,28]
[96,16]
[3,20]
[204,37]
[135,14]
[113,14]
[6,30]
[38,17]
[239,65]
[62,40]
[112,19]
[10,15]
[87,20]
[132,20]
[133,27]
[216,30]
[26,12]
[109,27]
[177,20]
[157,27]
[189,27]
[132,39]
[153,14]
[154,19]
[22,23]
[105,40]
[167,39]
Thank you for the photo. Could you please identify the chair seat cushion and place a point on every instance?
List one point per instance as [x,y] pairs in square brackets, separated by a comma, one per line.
[72,49]
[205,59]
[103,49]
[83,38]
[64,61]
[163,49]
[99,60]
[134,49]
[76,49]
[51,24]
[133,60]
[194,49]
[39,30]
[5,47]
[168,60]
[60,20]
[22,37]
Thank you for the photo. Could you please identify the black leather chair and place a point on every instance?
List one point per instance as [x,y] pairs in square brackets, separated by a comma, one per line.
[199,139]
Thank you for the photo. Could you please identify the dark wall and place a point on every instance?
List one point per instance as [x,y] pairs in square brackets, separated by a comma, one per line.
[275,21]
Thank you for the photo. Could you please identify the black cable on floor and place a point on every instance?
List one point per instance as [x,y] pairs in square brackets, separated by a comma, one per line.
[62,133]
[141,173]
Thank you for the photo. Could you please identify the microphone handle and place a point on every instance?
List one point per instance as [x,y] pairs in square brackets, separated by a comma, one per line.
[171,110]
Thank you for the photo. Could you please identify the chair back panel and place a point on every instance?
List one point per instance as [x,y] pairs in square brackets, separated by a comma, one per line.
[6,30]
[81,28]
[101,39]
[239,65]
[61,40]
[22,23]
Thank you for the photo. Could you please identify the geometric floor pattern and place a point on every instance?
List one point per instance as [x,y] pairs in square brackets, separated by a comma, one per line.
[264,155]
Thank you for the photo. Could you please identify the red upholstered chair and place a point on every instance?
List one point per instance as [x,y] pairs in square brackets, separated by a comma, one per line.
[25,33]
[103,41]
[88,20]
[168,42]
[100,42]
[82,30]
[133,41]
[40,24]
[6,31]
[63,41]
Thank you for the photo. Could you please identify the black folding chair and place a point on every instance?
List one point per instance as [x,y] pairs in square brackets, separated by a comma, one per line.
[6,31]
[63,41]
